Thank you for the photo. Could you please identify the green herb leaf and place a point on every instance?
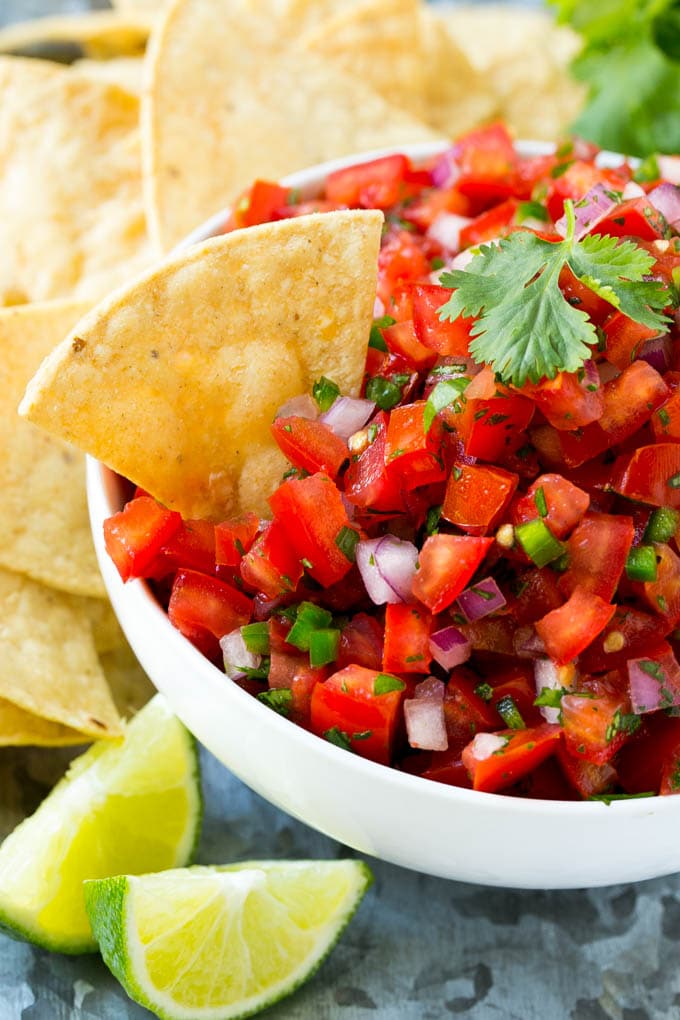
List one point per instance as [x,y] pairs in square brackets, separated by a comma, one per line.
[551,697]
[383,392]
[280,700]
[526,328]
[346,541]
[338,737]
[376,340]
[445,394]
[325,392]
[385,682]
[256,638]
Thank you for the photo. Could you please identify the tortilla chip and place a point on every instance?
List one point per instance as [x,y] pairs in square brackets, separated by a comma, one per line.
[524,57]
[44,523]
[49,665]
[129,684]
[70,184]
[98,35]
[106,631]
[174,383]
[376,43]
[220,113]
[19,728]
[127,72]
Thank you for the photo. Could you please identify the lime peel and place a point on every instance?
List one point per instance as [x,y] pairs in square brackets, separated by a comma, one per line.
[222,943]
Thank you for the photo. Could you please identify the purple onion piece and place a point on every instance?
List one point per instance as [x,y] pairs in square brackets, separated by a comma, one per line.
[425,724]
[657,353]
[591,376]
[304,407]
[666,199]
[653,684]
[431,688]
[446,171]
[669,168]
[450,647]
[347,415]
[527,644]
[481,599]
[446,228]
[387,566]
[589,211]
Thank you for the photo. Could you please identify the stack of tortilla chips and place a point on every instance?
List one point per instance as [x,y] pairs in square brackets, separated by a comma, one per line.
[165,114]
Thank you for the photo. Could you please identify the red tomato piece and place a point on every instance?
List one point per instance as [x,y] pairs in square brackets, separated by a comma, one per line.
[310,445]
[568,401]
[571,628]
[234,538]
[625,337]
[314,518]
[582,297]
[192,545]
[430,204]
[521,752]
[258,204]
[271,565]
[565,504]
[205,609]
[407,639]
[376,184]
[447,563]
[347,702]
[585,777]
[401,260]
[633,633]
[663,595]
[538,595]
[490,224]
[644,758]
[630,399]
[401,339]
[135,536]
[666,420]
[579,178]
[367,482]
[650,474]
[465,711]
[447,767]
[487,163]
[448,339]
[407,457]
[592,723]
[477,497]
[361,643]
[636,217]
[490,425]
[597,552]
[314,205]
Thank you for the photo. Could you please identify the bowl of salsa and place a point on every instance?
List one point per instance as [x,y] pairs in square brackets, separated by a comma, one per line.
[452,642]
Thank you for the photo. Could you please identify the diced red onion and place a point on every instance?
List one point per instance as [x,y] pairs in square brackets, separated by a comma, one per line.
[347,415]
[669,168]
[304,407]
[463,259]
[481,599]
[650,693]
[666,199]
[378,308]
[591,209]
[446,170]
[446,228]
[450,647]
[425,722]
[632,190]
[387,566]
[350,508]
[485,744]
[606,371]
[657,353]
[546,674]
[431,688]
[527,644]
[591,376]
[236,655]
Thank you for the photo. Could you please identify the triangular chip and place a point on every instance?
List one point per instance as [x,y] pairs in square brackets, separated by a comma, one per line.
[226,105]
[48,665]
[44,523]
[175,381]
[19,728]
[71,204]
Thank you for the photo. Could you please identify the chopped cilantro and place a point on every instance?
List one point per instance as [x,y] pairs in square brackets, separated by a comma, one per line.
[432,520]
[280,700]
[383,392]
[484,691]
[346,541]
[385,682]
[541,502]
[551,697]
[325,392]
[338,737]
[447,393]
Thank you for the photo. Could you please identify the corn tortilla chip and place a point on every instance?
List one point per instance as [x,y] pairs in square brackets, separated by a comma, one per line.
[376,43]
[49,665]
[175,382]
[219,113]
[19,728]
[99,35]
[44,523]
[127,72]
[106,631]
[129,685]
[70,184]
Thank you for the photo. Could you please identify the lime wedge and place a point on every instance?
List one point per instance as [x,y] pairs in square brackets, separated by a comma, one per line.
[132,805]
[222,942]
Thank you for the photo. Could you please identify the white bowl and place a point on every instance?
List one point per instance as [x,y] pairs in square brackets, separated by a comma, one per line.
[443,830]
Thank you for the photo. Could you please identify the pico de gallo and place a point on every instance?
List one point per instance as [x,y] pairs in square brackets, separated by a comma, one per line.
[472,571]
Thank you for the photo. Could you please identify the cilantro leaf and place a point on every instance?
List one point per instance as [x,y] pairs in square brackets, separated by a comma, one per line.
[526,329]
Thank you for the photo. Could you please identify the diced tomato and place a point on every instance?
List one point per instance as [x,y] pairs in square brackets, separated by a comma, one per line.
[447,767]
[585,777]
[477,497]
[205,609]
[670,777]
[630,399]
[628,634]
[625,337]
[487,426]
[666,420]
[538,595]
[316,537]
[642,760]
[401,260]
[135,536]
[429,205]
[407,457]
[347,702]
[596,553]
[407,639]
[489,224]
[582,297]
[446,338]
[565,504]
[192,545]
[314,205]
[569,401]
[271,565]
[401,339]
[465,711]
[649,475]
[310,445]
[258,204]
[376,184]
[361,643]
[367,482]
[522,751]
[663,595]
[487,161]
[447,563]
[593,724]
[571,628]
[516,681]
[234,538]
[636,217]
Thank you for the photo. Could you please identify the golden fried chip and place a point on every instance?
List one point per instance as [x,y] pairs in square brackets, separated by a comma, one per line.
[130,686]
[376,43]
[127,72]
[106,631]
[99,35]
[19,728]
[48,665]
[44,523]
[70,184]
[174,382]
[220,113]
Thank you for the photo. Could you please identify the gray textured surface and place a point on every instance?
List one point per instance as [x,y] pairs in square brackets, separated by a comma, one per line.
[419,948]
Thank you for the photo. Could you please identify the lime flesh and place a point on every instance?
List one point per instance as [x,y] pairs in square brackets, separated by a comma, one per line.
[132,805]
[222,942]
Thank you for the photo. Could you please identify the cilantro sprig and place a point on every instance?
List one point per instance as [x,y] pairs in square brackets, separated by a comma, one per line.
[526,328]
